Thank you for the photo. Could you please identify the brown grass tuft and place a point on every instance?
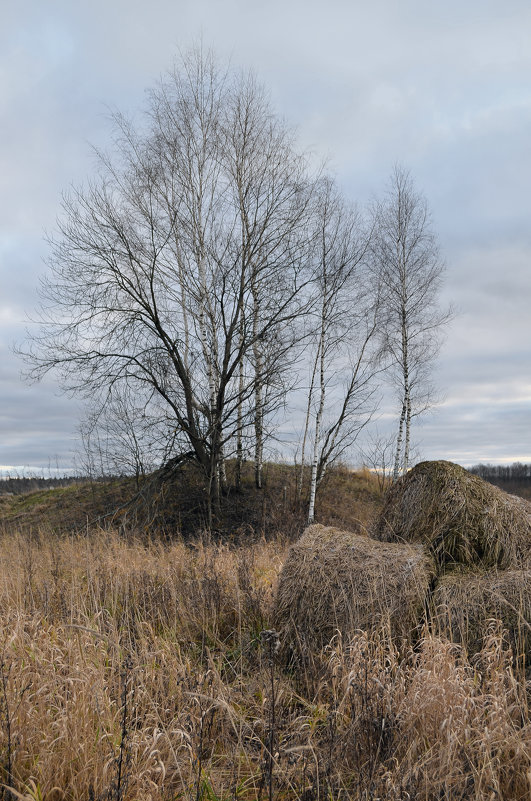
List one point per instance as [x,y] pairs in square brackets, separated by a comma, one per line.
[133,670]
[336,580]
[459,517]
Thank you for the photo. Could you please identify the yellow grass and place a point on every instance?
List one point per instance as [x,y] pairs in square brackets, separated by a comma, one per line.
[133,671]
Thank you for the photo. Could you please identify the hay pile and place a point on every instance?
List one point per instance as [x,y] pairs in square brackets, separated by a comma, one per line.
[446,540]
[465,604]
[336,580]
[460,518]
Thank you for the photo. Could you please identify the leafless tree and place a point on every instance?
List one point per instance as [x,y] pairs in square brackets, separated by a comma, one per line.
[342,388]
[272,199]
[409,268]
[123,434]
[378,456]
[180,271]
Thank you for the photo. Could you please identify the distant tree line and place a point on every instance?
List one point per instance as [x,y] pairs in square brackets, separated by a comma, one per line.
[517,472]
[17,485]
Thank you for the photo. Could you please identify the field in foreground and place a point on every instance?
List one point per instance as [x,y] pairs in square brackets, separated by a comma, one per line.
[131,670]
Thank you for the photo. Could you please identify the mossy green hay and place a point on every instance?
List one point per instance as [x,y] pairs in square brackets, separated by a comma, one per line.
[334,580]
[459,517]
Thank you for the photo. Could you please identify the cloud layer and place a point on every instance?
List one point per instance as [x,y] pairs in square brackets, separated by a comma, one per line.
[443,88]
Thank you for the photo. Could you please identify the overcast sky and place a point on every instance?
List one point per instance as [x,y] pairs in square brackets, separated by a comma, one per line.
[443,88]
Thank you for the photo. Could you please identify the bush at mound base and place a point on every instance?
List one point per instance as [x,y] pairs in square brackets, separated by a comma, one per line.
[459,517]
[336,580]
[465,604]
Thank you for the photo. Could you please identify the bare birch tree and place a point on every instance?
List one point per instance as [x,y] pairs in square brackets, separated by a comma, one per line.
[180,270]
[342,386]
[410,270]
[273,209]
[378,456]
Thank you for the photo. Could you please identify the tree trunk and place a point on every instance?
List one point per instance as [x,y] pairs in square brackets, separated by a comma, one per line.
[306,427]
[239,434]
[408,433]
[396,469]
[259,436]
[406,400]
[318,420]
[258,396]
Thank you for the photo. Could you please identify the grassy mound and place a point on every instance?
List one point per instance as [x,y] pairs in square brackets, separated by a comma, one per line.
[64,509]
[178,506]
[465,605]
[459,517]
[336,580]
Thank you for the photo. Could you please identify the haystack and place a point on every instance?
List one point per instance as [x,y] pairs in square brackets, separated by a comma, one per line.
[459,517]
[463,604]
[336,580]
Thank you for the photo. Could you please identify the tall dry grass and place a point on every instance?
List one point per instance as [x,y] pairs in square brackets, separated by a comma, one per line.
[133,671]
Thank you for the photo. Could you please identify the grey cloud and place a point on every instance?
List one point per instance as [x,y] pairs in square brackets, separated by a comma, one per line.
[37,424]
[472,433]
[442,87]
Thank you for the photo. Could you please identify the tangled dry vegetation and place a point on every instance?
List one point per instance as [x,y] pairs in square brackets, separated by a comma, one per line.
[134,670]
[460,518]
[447,548]
[444,571]
[142,671]
[340,580]
[178,503]
[465,603]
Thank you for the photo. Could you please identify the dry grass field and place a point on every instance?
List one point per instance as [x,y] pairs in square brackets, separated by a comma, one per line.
[141,670]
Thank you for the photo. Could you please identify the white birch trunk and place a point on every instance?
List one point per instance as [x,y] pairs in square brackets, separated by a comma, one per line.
[400,465]
[398,452]
[258,396]
[239,435]
[400,462]
[306,426]
[318,421]
[408,433]
[184,307]
[258,420]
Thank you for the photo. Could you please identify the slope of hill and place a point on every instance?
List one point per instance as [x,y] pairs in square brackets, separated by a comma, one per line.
[346,498]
